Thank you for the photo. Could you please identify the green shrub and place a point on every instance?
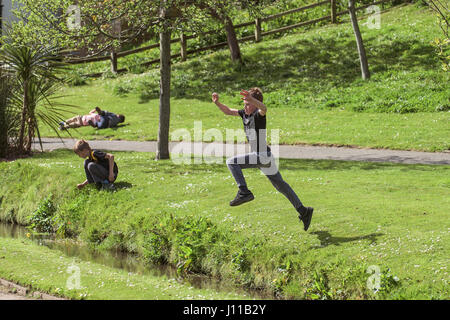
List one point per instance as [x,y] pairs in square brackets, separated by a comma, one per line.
[193,239]
[75,78]
[240,261]
[180,84]
[122,88]
[443,107]
[109,75]
[319,288]
[42,219]
[387,282]
[134,64]
[95,236]
[156,247]
[68,218]
[148,88]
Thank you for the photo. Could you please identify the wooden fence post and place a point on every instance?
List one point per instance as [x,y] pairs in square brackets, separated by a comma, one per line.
[113,61]
[183,42]
[258,30]
[333,11]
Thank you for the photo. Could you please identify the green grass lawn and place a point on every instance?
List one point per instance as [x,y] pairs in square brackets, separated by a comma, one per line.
[311,84]
[412,131]
[392,216]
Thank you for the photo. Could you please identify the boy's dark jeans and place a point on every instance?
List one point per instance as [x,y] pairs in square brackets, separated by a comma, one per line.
[95,173]
[266,163]
[107,120]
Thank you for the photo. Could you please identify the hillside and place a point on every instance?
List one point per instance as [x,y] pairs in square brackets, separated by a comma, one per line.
[311,76]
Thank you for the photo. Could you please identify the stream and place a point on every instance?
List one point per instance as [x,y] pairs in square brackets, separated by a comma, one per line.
[125,261]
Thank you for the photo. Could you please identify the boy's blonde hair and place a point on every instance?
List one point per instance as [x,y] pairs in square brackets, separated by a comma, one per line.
[256,93]
[81,145]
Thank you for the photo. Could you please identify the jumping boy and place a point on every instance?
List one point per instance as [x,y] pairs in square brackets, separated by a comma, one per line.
[254,119]
[99,166]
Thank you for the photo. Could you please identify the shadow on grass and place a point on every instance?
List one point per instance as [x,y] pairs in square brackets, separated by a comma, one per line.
[327,239]
[305,165]
[168,167]
[122,185]
[118,126]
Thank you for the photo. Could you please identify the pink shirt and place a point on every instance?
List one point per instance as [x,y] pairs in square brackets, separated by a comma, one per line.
[94,117]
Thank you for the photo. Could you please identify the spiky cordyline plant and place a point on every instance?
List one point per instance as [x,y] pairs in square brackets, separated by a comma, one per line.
[35,71]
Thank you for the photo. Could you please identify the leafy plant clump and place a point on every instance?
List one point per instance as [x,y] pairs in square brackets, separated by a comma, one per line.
[42,220]
[76,78]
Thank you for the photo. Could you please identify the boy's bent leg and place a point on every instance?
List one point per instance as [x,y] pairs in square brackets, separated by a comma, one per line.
[74,122]
[98,172]
[235,165]
[89,177]
[284,188]
[305,213]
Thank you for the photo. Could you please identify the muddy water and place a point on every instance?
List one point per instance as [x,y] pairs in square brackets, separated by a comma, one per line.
[125,261]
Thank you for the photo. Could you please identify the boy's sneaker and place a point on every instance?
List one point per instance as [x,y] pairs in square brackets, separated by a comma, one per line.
[242,198]
[109,186]
[305,215]
[61,125]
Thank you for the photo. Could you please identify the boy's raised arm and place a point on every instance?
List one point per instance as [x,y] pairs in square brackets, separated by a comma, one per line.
[261,106]
[225,109]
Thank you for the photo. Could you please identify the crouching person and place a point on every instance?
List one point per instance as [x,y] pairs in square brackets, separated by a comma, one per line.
[99,166]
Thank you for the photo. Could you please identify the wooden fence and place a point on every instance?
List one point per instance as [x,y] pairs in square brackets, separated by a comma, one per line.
[257,36]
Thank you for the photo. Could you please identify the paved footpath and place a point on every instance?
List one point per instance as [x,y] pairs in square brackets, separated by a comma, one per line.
[10,296]
[284,151]
[12,291]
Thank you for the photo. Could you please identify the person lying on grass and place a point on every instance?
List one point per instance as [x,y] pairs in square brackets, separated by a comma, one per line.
[99,166]
[96,118]
[254,119]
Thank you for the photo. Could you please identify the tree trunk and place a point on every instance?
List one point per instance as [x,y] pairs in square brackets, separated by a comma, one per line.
[164,97]
[31,120]
[233,44]
[3,132]
[30,134]
[232,41]
[4,94]
[24,116]
[359,42]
